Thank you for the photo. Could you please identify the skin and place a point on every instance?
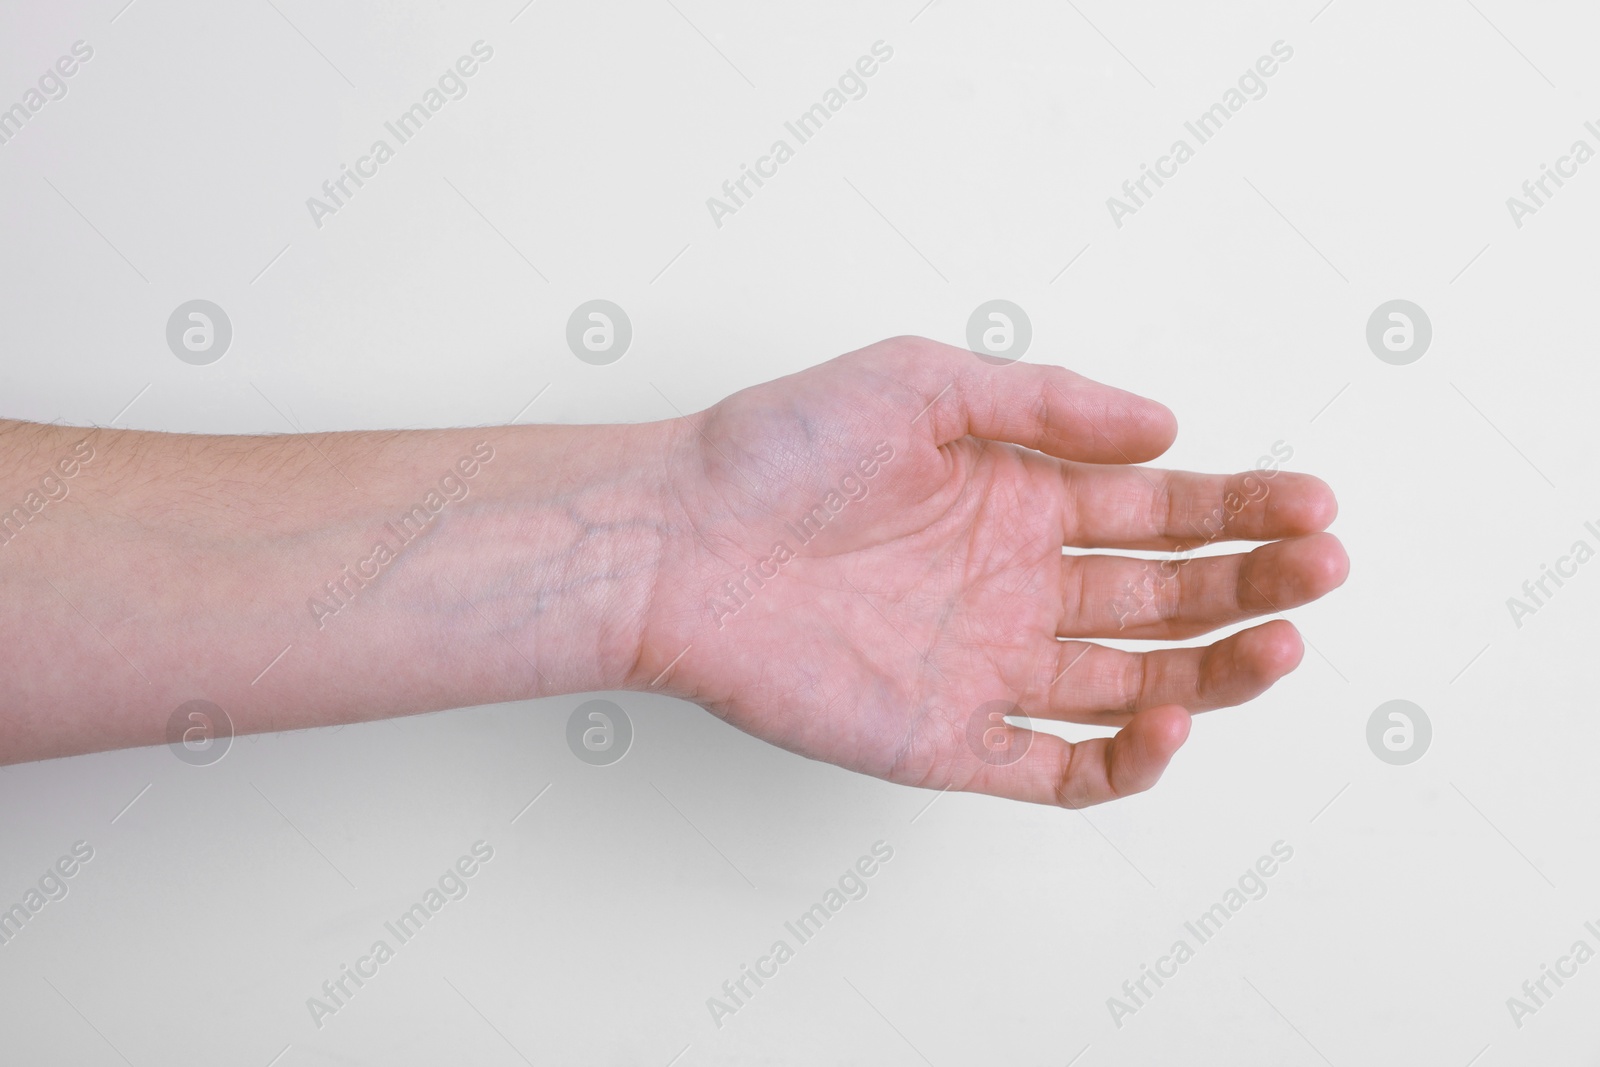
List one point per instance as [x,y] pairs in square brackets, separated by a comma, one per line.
[927,596]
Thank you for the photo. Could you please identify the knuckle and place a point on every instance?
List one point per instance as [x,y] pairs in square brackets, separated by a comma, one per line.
[1163,506]
[1170,592]
[1067,791]
[1135,683]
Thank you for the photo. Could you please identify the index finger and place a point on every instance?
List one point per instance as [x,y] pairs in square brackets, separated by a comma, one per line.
[1139,507]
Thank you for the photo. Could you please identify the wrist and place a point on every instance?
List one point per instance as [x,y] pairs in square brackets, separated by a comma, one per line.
[564,556]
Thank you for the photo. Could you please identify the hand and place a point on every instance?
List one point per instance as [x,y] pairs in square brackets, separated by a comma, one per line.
[887,626]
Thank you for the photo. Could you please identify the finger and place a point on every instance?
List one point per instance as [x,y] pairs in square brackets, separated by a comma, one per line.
[1146,599]
[1105,686]
[1034,405]
[1077,774]
[1137,507]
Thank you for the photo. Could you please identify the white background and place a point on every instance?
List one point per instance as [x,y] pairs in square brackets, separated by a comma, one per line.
[978,165]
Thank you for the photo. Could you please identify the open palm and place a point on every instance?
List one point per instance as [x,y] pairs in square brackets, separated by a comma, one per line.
[871,573]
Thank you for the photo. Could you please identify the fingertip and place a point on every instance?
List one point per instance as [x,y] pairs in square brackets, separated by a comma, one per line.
[1318,507]
[1276,647]
[1167,421]
[1098,423]
[1167,727]
[1151,429]
[1313,566]
[1146,746]
[1331,507]
[1334,562]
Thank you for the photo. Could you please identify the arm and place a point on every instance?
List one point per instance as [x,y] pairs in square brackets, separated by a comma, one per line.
[402,571]
[861,563]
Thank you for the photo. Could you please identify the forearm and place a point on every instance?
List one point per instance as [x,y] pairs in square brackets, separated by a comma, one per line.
[306,580]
